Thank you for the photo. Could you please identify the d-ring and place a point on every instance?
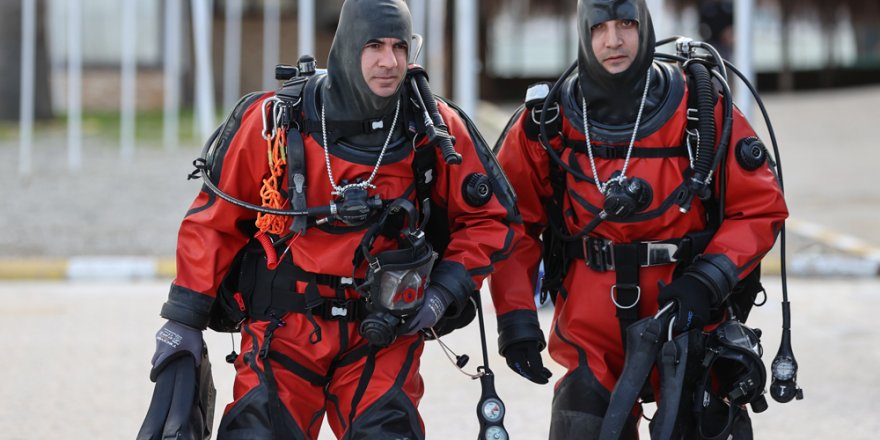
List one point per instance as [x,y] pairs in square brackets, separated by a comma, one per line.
[614,297]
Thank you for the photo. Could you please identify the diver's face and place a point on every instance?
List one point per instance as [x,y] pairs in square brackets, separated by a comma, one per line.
[383,64]
[615,43]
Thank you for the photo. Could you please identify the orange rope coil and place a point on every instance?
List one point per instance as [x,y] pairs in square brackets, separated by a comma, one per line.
[270,193]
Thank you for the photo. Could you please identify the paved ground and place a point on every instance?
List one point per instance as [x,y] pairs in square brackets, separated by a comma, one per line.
[77,362]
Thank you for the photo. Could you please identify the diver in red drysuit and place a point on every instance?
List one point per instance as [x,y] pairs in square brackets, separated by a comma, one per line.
[360,132]
[645,255]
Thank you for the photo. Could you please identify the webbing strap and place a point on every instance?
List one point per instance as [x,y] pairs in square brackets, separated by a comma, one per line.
[626,292]
[620,151]
[274,403]
[423,166]
[298,369]
[369,367]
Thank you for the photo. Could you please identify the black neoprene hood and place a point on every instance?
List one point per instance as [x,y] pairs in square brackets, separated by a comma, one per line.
[616,94]
[346,94]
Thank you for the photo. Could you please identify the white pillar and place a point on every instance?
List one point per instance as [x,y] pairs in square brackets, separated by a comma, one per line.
[435,46]
[26,102]
[204,78]
[271,45]
[74,85]
[306,27]
[743,52]
[232,55]
[659,18]
[418,9]
[171,49]
[467,65]
[128,83]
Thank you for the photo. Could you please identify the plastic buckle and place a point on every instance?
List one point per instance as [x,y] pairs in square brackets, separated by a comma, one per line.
[598,253]
[335,310]
[346,282]
[657,253]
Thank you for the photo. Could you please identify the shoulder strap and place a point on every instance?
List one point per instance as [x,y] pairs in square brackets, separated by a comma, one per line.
[291,93]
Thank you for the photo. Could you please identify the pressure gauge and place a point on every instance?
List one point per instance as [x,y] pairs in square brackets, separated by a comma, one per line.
[783,368]
[496,433]
[493,411]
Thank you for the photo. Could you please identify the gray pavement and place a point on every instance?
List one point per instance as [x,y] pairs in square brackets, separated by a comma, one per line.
[77,364]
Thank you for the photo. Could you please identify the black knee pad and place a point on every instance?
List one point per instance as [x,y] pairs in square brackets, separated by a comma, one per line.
[250,419]
[579,405]
[393,416]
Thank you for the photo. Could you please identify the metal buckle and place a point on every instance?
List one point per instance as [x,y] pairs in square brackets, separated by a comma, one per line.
[598,253]
[535,114]
[375,265]
[634,303]
[658,253]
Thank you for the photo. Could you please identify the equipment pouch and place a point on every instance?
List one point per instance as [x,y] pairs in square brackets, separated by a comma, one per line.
[234,295]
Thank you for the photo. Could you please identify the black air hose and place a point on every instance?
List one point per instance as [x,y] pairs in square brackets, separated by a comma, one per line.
[426,98]
[706,124]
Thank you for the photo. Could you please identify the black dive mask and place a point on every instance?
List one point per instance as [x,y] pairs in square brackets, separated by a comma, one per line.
[733,356]
[396,279]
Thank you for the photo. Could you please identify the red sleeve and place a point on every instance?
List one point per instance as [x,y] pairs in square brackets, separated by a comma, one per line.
[526,164]
[480,236]
[212,233]
[754,208]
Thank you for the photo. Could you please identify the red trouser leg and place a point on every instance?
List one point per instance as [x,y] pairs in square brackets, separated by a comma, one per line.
[379,393]
[586,340]
[291,401]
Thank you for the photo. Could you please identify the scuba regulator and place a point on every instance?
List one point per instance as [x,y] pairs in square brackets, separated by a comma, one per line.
[624,197]
[396,279]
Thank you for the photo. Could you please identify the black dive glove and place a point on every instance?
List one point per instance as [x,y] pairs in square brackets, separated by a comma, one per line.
[437,300]
[524,358]
[693,298]
[174,340]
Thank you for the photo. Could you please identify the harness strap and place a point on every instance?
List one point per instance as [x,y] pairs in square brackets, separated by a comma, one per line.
[329,309]
[274,403]
[298,369]
[340,129]
[369,368]
[620,151]
[601,254]
[296,181]
[626,293]
[423,165]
